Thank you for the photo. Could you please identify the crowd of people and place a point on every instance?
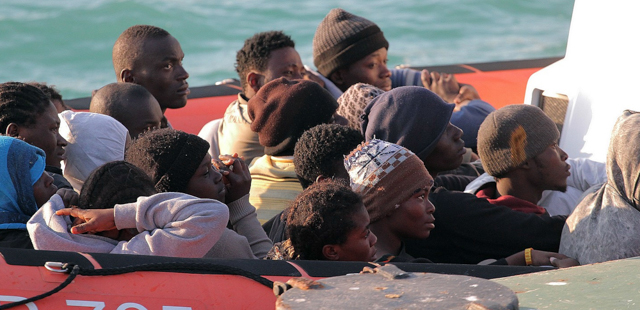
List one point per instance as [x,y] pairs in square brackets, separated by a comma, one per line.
[349,162]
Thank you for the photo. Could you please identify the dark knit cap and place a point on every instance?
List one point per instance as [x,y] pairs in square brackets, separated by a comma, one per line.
[511,135]
[283,109]
[170,157]
[342,39]
[410,116]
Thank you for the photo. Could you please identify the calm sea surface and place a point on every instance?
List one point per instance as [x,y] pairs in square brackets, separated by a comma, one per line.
[68,43]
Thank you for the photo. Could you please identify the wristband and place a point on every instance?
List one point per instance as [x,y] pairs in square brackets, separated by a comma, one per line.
[527,257]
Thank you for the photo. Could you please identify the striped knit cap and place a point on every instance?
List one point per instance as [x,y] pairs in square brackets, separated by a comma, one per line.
[384,174]
[342,39]
[511,135]
[353,101]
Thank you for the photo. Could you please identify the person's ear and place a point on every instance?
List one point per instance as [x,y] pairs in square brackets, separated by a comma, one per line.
[255,80]
[127,76]
[337,77]
[527,164]
[12,130]
[331,252]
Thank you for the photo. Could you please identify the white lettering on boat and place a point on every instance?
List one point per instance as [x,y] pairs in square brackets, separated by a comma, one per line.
[95,305]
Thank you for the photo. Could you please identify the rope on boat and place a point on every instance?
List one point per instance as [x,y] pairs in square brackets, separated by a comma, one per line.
[75,270]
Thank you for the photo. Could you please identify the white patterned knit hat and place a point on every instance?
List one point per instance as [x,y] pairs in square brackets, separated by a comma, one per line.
[385,174]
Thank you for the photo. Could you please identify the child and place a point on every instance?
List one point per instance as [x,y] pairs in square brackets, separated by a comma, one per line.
[122,214]
[179,162]
[329,222]
[24,187]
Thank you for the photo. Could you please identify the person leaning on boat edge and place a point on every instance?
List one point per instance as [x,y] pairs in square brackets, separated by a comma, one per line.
[349,49]
[151,57]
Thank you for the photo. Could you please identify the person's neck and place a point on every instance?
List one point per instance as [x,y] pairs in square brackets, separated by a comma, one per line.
[388,242]
[248,93]
[519,188]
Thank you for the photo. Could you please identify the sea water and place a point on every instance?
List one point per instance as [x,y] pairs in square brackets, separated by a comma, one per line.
[68,43]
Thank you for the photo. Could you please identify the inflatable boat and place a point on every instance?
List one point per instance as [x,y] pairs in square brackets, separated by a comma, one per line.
[68,280]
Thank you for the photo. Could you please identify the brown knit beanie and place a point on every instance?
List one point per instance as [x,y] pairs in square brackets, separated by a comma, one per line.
[511,135]
[283,109]
[385,174]
[342,39]
[170,157]
[353,101]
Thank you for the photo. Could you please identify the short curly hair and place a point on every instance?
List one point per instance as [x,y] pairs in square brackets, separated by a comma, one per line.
[318,149]
[21,103]
[114,183]
[322,214]
[254,54]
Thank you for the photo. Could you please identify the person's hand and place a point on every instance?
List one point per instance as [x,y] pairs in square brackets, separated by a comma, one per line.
[564,262]
[442,84]
[474,157]
[539,258]
[465,95]
[236,174]
[543,258]
[94,220]
[69,197]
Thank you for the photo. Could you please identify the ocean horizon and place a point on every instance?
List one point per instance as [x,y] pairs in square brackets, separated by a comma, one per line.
[68,43]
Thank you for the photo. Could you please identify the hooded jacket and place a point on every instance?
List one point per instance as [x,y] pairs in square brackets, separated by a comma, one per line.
[606,224]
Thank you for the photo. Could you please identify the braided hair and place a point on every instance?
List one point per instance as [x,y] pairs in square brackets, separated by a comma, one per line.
[322,214]
[254,54]
[116,182]
[320,147]
[21,104]
[50,90]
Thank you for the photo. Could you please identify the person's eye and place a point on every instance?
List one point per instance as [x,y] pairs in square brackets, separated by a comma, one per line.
[421,197]
[367,234]
[207,172]
[386,61]
[372,65]
[168,66]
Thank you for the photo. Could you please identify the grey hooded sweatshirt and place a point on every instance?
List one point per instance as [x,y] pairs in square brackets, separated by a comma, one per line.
[606,224]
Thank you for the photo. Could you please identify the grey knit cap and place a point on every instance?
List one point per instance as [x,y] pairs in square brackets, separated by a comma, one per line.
[353,101]
[342,39]
[511,135]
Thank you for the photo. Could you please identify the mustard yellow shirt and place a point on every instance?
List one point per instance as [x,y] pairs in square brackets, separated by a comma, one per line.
[273,185]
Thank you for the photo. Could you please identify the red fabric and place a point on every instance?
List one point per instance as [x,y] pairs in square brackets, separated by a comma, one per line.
[509,201]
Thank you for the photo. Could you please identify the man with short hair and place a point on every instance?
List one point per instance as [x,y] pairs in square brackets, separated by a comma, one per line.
[130,104]
[264,57]
[149,56]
